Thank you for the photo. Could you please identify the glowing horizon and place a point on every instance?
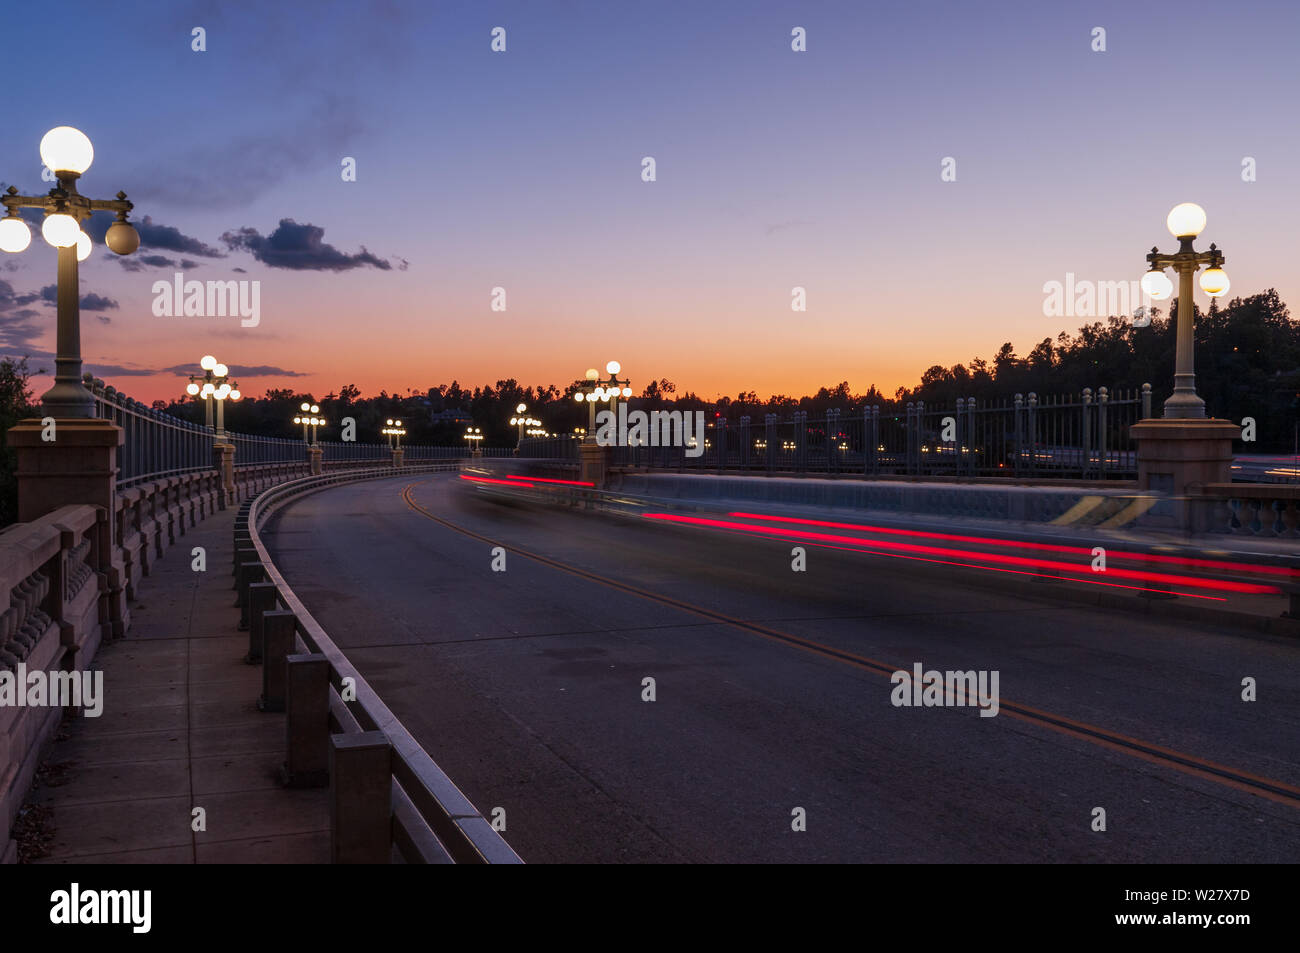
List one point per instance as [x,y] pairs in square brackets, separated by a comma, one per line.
[775,169]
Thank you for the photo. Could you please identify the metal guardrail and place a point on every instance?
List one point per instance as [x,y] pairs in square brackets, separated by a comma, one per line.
[431,819]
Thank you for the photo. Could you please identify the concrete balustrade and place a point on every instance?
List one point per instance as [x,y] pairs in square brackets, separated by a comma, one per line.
[278,633]
[307,707]
[385,790]
[1246,509]
[249,573]
[361,795]
[72,572]
[54,583]
[261,599]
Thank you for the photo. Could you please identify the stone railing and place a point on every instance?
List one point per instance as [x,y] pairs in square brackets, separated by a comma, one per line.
[1249,509]
[386,792]
[69,577]
[53,573]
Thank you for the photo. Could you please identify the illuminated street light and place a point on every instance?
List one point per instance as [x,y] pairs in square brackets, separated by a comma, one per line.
[67,153]
[521,421]
[309,419]
[592,390]
[214,387]
[1185,222]
[473,438]
[395,432]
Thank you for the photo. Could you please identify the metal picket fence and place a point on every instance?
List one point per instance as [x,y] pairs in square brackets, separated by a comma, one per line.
[1083,436]
[158,445]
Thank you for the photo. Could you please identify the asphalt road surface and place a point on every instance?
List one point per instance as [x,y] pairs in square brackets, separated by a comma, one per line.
[773,693]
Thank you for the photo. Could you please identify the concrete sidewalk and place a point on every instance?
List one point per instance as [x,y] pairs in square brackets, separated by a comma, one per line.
[180,730]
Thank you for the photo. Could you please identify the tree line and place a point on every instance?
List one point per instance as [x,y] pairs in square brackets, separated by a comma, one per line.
[1247,354]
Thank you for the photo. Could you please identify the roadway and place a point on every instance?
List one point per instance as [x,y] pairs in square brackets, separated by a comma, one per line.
[773,693]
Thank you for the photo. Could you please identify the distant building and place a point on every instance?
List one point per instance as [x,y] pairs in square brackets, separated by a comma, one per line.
[452,416]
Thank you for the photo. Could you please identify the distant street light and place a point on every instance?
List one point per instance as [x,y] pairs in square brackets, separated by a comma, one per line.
[214,387]
[473,437]
[592,389]
[67,153]
[521,422]
[1185,222]
[308,419]
[395,432]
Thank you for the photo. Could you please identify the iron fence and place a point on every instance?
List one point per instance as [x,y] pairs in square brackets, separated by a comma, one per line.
[158,445]
[551,448]
[1076,436]
[253,449]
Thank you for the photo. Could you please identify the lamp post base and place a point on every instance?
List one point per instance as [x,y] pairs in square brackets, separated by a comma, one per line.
[224,454]
[592,464]
[1177,456]
[68,400]
[1184,403]
[314,455]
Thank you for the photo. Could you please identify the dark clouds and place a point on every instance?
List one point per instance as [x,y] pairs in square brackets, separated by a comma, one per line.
[169,238]
[236,370]
[19,329]
[299,248]
[291,246]
[153,236]
[89,301]
[117,370]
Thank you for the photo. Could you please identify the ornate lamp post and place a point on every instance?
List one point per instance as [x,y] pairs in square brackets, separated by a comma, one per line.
[474,440]
[214,387]
[309,422]
[521,421]
[1183,453]
[394,430]
[68,154]
[1185,222]
[80,464]
[592,390]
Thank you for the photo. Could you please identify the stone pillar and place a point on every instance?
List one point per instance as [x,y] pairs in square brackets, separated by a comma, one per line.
[361,797]
[78,465]
[592,464]
[314,455]
[224,458]
[1178,456]
[307,721]
[476,453]
[398,455]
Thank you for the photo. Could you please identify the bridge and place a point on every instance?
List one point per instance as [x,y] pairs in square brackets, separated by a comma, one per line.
[443,655]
